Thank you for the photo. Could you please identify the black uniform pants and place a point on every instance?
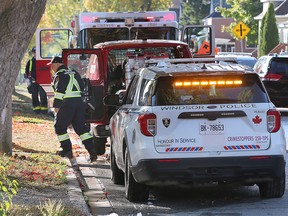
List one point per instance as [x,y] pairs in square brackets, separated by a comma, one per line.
[37,91]
[72,112]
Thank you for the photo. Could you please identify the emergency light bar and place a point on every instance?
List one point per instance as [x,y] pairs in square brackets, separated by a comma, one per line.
[149,16]
[206,83]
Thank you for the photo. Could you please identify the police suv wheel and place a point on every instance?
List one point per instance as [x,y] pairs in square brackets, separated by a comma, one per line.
[273,189]
[134,191]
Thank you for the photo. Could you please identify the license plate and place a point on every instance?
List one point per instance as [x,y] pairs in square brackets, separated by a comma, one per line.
[212,128]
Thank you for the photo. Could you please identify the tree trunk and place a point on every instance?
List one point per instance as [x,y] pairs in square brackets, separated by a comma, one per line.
[18,22]
[6,121]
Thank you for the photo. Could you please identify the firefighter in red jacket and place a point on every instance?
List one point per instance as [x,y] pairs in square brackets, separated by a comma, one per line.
[69,108]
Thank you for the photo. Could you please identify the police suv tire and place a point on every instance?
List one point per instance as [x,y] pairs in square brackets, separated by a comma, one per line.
[134,191]
[117,175]
[273,189]
[100,145]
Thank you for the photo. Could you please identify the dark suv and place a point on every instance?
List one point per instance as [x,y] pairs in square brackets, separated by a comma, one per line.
[274,73]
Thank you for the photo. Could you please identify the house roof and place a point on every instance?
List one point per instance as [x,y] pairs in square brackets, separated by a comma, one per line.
[214,15]
[282,9]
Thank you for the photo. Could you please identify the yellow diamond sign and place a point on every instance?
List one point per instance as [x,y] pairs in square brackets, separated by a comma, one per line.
[241,30]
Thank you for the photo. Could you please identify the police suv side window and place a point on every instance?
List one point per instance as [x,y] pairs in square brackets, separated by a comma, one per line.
[146,91]
[132,90]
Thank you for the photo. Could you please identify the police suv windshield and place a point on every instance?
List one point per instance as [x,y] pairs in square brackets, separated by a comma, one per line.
[208,90]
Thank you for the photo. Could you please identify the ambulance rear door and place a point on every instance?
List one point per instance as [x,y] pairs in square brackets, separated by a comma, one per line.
[89,64]
[49,43]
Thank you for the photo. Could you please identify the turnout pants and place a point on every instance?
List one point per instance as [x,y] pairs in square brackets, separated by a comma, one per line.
[72,112]
[37,91]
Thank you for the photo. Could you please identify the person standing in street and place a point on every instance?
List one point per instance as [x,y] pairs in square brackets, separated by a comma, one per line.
[39,106]
[69,109]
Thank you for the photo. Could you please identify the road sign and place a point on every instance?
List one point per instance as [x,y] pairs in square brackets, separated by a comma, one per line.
[241,30]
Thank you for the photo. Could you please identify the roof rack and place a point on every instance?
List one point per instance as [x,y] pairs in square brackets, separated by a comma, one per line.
[191,60]
[220,61]
[234,53]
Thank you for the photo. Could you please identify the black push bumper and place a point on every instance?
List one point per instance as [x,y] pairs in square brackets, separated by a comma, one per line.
[232,169]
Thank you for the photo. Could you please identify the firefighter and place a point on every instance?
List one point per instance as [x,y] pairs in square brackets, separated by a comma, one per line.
[34,88]
[69,108]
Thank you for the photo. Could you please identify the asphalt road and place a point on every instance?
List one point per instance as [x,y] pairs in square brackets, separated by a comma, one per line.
[204,200]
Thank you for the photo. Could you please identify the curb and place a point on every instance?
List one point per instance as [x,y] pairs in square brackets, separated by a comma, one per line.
[95,191]
[89,187]
[74,192]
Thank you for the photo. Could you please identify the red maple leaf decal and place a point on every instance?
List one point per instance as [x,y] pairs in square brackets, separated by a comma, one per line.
[257,120]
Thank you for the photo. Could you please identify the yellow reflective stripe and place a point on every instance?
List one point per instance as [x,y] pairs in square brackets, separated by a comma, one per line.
[69,93]
[70,84]
[30,65]
[43,108]
[63,137]
[59,95]
[86,136]
[73,94]
[37,108]
[76,84]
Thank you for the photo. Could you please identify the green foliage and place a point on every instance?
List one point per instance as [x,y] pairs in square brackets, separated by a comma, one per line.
[269,35]
[194,12]
[60,13]
[8,188]
[245,11]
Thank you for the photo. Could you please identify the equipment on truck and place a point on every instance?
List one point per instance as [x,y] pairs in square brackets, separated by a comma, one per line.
[108,69]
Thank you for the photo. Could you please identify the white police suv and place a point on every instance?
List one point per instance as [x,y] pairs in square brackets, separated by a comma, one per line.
[189,123]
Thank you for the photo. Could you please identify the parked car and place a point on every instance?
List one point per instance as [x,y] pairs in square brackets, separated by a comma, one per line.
[274,73]
[240,58]
[191,123]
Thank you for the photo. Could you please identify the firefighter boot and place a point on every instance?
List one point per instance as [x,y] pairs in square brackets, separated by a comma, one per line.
[66,149]
[91,149]
[93,158]
[67,154]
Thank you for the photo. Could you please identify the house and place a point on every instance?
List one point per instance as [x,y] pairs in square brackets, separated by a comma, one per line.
[281,15]
[224,41]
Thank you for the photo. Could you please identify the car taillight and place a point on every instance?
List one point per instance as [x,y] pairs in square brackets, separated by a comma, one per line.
[273,121]
[147,124]
[272,77]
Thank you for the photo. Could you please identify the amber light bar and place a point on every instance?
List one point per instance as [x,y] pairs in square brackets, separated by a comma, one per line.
[208,82]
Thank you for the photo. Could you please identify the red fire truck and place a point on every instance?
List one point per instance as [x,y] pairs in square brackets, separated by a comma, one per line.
[109,66]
